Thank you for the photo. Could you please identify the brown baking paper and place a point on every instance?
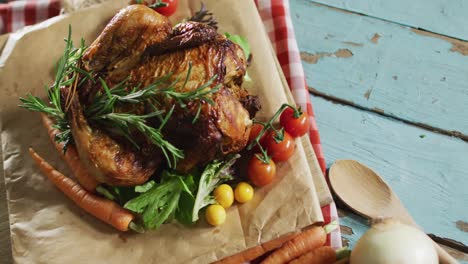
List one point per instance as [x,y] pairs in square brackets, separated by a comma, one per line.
[46,227]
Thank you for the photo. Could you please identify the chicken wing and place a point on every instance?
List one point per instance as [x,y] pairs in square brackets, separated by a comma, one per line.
[108,160]
[125,38]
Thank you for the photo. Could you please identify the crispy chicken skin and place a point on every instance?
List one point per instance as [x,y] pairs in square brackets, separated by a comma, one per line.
[106,159]
[223,127]
[141,44]
[122,42]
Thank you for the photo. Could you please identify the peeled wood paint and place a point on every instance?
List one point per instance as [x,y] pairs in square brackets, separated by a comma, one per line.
[353,43]
[459,46]
[314,58]
[411,84]
[462,225]
[406,162]
[375,38]
[367,94]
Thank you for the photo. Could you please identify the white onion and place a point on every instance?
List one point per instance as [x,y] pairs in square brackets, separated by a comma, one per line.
[390,242]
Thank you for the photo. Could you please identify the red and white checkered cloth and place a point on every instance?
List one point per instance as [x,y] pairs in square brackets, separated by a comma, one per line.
[17,14]
[277,21]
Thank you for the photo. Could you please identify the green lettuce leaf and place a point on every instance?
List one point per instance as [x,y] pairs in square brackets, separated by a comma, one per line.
[241,41]
[214,174]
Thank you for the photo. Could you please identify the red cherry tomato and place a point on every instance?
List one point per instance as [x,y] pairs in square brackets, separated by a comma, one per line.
[169,9]
[260,173]
[296,127]
[254,131]
[280,151]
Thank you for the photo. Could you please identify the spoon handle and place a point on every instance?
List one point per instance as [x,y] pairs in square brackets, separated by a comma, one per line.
[444,257]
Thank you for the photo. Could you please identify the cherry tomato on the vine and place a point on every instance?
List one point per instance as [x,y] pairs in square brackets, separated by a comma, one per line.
[169,9]
[254,131]
[296,127]
[260,173]
[280,151]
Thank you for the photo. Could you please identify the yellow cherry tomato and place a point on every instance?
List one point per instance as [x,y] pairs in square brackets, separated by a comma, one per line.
[215,215]
[224,195]
[244,192]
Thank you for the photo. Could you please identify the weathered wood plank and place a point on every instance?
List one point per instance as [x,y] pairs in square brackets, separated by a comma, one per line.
[425,169]
[439,16]
[383,66]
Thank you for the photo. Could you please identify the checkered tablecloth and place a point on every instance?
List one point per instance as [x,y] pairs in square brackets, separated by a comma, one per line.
[277,21]
[276,18]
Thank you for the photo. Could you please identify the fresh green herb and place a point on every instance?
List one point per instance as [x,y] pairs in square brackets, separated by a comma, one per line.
[67,75]
[145,187]
[214,174]
[200,94]
[102,109]
[104,102]
[158,4]
[159,202]
[125,121]
[174,196]
[183,213]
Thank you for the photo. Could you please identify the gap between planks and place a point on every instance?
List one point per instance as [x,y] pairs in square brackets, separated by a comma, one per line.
[440,35]
[380,112]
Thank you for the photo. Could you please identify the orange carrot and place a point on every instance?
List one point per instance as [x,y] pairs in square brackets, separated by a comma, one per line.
[255,252]
[70,157]
[105,210]
[321,255]
[306,241]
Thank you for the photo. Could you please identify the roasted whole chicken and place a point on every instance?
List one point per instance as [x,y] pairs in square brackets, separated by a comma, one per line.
[140,46]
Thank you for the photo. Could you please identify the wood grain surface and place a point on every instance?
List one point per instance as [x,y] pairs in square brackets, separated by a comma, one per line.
[428,174]
[445,17]
[402,72]
[393,96]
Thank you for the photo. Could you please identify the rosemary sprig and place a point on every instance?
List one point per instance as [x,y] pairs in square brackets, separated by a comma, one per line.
[67,75]
[105,102]
[102,109]
[158,4]
[70,76]
[123,120]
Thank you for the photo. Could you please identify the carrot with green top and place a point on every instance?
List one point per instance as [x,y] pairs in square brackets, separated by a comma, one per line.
[103,209]
[70,157]
[306,241]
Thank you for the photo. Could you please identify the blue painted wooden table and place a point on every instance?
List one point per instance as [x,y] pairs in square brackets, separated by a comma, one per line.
[389,86]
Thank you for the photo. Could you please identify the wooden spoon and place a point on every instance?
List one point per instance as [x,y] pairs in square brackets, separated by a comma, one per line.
[367,194]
